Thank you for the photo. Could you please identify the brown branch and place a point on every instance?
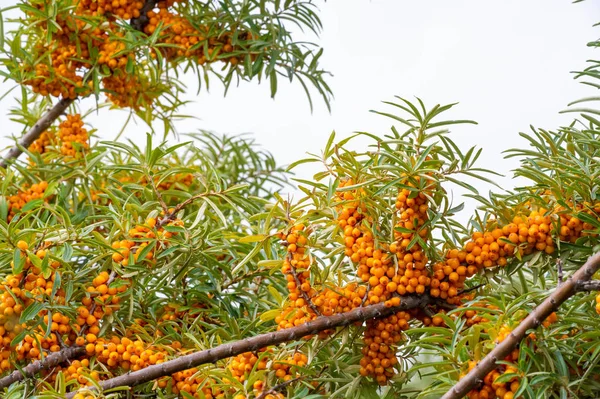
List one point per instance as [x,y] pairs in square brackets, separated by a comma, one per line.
[563,292]
[140,22]
[36,131]
[48,362]
[257,342]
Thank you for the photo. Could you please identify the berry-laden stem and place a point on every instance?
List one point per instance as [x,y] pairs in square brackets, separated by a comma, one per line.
[563,292]
[308,301]
[35,132]
[260,341]
[48,362]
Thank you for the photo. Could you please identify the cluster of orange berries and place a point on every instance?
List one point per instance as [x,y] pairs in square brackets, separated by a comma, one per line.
[17,202]
[124,9]
[296,270]
[412,210]
[60,81]
[195,384]
[376,267]
[69,50]
[492,388]
[188,41]
[494,247]
[17,293]
[242,365]
[472,317]
[123,352]
[284,369]
[70,58]
[42,144]
[571,227]
[380,340]
[78,370]
[141,236]
[73,136]
[102,299]
[305,303]
[129,90]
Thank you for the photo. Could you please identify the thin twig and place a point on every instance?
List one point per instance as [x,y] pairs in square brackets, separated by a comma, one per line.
[428,312]
[278,387]
[472,288]
[169,216]
[308,301]
[161,200]
[559,269]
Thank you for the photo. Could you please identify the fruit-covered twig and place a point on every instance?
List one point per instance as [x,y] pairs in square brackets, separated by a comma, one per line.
[231,349]
[563,292]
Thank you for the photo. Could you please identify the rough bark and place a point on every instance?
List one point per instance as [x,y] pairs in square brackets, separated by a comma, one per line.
[48,362]
[36,131]
[563,292]
[260,341]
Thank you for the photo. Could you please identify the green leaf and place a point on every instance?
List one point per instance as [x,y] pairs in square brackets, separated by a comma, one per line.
[253,238]
[32,205]
[31,311]
[19,261]
[269,315]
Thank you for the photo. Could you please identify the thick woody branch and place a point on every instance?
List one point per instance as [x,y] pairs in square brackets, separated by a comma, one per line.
[36,131]
[260,341]
[48,362]
[563,292]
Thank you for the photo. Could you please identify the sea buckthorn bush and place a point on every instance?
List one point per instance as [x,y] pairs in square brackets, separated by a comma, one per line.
[118,259]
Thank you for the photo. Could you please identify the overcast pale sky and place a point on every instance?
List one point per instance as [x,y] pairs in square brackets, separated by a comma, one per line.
[506,62]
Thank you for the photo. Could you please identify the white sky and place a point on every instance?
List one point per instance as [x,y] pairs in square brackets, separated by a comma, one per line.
[507,62]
